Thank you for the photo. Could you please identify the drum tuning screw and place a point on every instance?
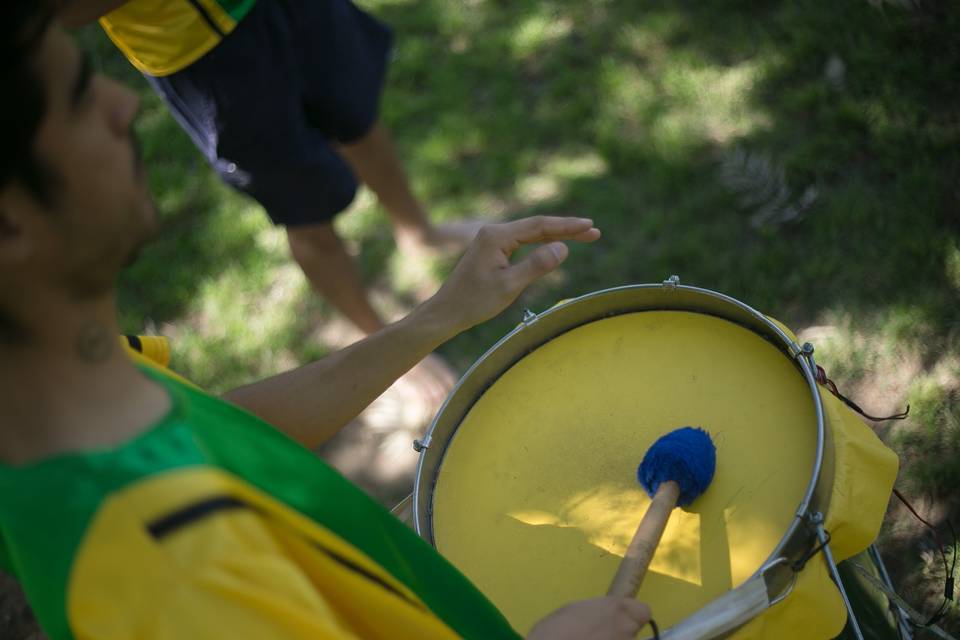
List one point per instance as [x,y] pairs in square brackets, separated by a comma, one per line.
[807,352]
[528,316]
[419,445]
[671,282]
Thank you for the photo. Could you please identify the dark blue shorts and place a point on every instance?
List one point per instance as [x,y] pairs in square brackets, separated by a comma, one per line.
[266,104]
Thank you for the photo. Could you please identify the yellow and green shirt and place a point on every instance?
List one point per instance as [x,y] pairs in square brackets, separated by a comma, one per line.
[161,37]
[212,524]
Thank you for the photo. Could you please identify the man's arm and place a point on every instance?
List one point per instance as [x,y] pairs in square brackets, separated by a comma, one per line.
[76,13]
[313,402]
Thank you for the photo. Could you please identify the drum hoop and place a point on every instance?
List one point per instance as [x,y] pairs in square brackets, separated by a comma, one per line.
[778,571]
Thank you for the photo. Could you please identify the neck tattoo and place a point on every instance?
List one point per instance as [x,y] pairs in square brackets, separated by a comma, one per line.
[93,343]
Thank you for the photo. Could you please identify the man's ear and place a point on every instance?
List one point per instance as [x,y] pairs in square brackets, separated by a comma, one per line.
[16,243]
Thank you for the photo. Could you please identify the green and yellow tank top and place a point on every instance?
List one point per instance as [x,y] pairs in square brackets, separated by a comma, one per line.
[161,37]
[212,524]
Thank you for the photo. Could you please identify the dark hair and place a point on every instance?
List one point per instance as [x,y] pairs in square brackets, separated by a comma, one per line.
[22,25]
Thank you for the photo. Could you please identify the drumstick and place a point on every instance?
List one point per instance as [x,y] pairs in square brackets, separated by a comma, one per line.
[675,471]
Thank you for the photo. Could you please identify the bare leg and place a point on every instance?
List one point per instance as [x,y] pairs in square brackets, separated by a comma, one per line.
[374,159]
[332,273]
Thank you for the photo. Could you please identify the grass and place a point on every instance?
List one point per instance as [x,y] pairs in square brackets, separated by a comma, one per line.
[635,113]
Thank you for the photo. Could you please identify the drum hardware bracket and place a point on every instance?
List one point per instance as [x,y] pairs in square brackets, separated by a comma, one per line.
[816,519]
[806,351]
[789,588]
[529,317]
[671,283]
[421,444]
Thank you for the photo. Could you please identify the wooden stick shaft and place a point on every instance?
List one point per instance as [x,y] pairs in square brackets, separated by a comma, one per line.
[635,561]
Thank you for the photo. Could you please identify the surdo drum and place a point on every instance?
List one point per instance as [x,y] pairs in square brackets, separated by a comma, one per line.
[526,479]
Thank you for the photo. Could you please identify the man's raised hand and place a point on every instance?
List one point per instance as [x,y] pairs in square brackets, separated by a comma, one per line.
[485,282]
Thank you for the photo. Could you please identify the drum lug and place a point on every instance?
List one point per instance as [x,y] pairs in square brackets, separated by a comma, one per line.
[817,520]
[806,352]
[671,283]
[529,317]
[419,445]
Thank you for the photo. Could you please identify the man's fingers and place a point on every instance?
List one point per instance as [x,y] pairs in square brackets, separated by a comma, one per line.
[542,229]
[540,262]
[637,611]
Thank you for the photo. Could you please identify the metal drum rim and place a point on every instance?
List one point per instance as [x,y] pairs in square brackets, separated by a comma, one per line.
[421,510]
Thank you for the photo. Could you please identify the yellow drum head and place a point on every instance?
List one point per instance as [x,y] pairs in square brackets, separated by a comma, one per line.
[536,498]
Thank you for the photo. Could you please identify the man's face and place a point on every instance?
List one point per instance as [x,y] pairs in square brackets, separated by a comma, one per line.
[101,211]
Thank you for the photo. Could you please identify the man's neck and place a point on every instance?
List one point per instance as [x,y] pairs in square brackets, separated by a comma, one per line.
[71,387]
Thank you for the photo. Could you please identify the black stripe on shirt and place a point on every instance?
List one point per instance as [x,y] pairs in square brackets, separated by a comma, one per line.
[164,526]
[207,17]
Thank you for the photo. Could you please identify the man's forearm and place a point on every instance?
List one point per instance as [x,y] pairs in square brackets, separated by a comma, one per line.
[312,403]
[75,13]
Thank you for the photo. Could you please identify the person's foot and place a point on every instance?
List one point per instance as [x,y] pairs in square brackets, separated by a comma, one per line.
[446,237]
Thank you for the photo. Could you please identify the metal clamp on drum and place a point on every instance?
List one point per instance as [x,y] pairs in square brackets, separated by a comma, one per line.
[528,485]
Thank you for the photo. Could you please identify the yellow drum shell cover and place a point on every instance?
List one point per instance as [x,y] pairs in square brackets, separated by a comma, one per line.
[536,498]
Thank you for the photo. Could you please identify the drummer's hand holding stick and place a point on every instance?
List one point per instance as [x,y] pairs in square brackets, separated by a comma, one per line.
[312,403]
[608,618]
[677,469]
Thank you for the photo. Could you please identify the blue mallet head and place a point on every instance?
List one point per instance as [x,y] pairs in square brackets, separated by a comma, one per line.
[686,456]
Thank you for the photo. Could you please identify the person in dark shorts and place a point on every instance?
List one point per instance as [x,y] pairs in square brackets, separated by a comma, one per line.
[282,98]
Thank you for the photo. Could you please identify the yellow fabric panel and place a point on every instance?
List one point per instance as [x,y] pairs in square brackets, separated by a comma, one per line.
[157,348]
[156,357]
[863,481]
[536,499]
[239,573]
[161,37]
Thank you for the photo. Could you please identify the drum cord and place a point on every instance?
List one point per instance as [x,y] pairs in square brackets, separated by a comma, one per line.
[948,572]
[831,385]
[656,630]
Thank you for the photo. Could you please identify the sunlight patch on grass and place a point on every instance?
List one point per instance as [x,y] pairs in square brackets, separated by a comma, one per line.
[932,445]
[418,277]
[364,216]
[244,326]
[708,103]
[678,105]
[538,189]
[538,31]
[647,42]
[585,164]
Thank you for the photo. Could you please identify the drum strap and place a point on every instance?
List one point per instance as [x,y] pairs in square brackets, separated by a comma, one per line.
[727,612]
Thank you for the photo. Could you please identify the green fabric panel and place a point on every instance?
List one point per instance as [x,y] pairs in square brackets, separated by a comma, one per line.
[46,507]
[5,564]
[282,468]
[237,8]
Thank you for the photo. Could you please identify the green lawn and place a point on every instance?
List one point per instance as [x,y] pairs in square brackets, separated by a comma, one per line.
[800,156]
